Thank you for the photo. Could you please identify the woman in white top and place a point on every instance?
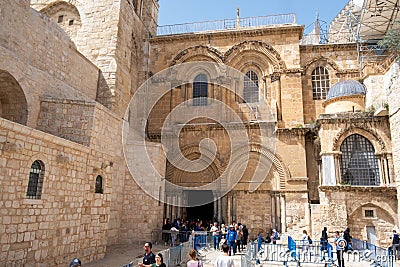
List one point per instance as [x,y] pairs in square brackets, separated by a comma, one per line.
[304,239]
[193,262]
[224,260]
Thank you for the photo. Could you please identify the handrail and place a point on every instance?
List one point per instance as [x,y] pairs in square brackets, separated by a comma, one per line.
[227,24]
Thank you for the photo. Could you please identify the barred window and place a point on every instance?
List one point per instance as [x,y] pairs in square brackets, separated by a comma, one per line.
[320,82]
[358,163]
[35,183]
[200,90]
[250,93]
[98,188]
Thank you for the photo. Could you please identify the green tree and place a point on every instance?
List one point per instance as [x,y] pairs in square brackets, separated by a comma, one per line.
[392,39]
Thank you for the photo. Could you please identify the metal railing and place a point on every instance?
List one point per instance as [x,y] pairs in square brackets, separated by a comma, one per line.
[227,24]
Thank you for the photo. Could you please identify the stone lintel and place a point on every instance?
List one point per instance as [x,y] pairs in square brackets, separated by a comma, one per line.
[227,34]
[388,190]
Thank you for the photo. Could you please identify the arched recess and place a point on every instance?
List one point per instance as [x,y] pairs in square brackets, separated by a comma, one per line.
[13,104]
[323,62]
[377,215]
[198,53]
[66,15]
[211,172]
[379,144]
[269,162]
[266,56]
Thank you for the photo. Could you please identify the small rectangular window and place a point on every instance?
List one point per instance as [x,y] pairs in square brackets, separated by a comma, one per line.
[369,213]
[60,18]
[71,22]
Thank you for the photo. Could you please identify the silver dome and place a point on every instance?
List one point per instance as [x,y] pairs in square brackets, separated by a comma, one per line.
[346,88]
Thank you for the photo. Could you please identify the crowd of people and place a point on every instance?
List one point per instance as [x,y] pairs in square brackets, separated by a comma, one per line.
[235,235]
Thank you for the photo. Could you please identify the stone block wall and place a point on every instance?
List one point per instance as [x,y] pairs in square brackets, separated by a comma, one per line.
[69,219]
[392,86]
[341,62]
[42,59]
[69,119]
[344,206]
[254,210]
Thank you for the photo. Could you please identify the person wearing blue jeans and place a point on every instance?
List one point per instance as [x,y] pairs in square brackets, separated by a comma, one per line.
[231,238]
[215,234]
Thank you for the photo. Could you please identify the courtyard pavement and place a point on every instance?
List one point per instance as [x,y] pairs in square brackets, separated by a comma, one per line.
[119,255]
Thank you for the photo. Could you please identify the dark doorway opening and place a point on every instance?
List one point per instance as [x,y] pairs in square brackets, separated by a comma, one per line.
[196,209]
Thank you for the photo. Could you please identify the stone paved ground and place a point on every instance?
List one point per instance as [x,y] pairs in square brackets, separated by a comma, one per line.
[119,255]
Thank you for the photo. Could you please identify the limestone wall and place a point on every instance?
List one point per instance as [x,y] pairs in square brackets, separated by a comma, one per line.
[43,60]
[392,85]
[343,207]
[254,210]
[70,219]
[341,62]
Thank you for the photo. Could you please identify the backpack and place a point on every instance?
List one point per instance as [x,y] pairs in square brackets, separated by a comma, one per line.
[309,240]
[277,237]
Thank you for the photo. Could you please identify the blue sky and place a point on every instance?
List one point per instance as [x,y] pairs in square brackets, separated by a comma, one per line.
[182,11]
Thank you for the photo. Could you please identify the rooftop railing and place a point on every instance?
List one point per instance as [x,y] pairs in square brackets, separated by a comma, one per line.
[227,24]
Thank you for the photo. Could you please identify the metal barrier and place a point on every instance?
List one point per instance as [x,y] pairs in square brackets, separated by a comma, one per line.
[226,24]
[376,255]
[173,256]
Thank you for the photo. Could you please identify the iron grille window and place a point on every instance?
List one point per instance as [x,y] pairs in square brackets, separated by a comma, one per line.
[99,185]
[320,82]
[358,163]
[250,93]
[369,213]
[200,90]
[35,182]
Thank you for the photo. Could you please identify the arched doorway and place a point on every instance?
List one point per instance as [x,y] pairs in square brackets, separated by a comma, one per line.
[13,104]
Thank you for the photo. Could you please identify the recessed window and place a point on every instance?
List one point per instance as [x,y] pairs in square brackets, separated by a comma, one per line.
[200,90]
[369,213]
[60,19]
[250,92]
[99,185]
[358,163]
[320,82]
[35,183]
[71,22]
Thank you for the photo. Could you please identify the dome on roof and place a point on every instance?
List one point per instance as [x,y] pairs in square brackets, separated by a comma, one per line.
[346,88]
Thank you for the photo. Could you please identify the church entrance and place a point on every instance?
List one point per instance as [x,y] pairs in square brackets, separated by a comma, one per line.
[195,211]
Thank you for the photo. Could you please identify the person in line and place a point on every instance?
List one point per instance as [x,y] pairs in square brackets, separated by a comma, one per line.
[245,236]
[340,245]
[75,263]
[193,262]
[231,238]
[148,258]
[324,239]
[395,244]
[159,261]
[215,234]
[304,240]
[347,237]
[274,236]
[224,260]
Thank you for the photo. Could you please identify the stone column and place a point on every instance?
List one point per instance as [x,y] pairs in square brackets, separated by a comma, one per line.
[328,169]
[391,176]
[283,214]
[273,210]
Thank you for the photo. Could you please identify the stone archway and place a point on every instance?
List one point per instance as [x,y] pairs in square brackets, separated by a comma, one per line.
[375,218]
[13,104]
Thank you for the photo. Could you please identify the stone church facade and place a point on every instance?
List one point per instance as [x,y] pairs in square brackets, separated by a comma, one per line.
[67,72]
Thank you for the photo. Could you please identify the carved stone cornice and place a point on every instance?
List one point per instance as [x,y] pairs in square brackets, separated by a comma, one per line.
[227,34]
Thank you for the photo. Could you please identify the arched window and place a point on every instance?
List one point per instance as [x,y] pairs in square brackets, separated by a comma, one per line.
[358,163]
[200,90]
[98,188]
[320,82]
[35,183]
[250,93]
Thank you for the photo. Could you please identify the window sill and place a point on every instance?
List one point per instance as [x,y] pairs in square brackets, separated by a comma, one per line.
[29,201]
